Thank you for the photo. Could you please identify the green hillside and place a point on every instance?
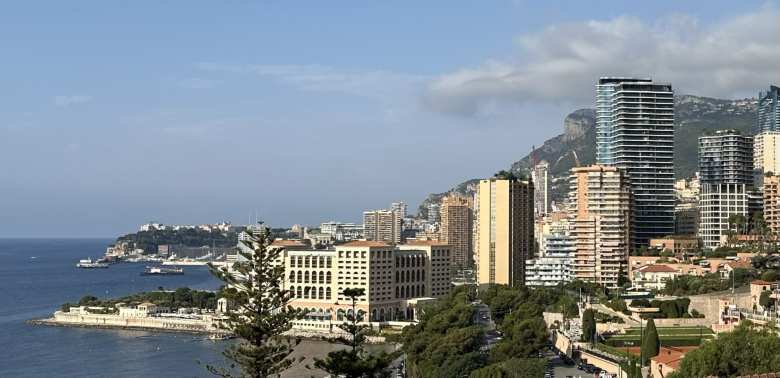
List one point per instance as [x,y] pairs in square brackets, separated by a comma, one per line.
[694,116]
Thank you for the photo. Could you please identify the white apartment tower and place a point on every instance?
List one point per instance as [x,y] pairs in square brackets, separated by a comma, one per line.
[539,175]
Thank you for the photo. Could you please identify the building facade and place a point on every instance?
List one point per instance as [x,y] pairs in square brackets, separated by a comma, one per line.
[539,175]
[457,228]
[394,279]
[601,208]
[382,225]
[553,266]
[769,110]
[771,191]
[504,230]
[725,157]
[766,151]
[635,131]
[726,175]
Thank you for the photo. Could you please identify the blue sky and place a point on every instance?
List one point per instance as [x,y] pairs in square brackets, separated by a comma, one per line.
[115,113]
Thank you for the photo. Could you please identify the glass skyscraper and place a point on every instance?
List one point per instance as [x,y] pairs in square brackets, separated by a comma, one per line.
[635,131]
[769,110]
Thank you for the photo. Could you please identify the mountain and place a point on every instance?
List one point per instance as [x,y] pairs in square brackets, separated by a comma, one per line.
[694,116]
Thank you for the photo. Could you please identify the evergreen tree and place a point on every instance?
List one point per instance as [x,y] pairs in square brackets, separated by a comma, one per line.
[353,362]
[589,325]
[651,344]
[258,313]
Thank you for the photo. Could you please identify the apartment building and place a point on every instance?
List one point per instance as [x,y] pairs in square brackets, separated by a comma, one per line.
[383,225]
[457,228]
[601,201]
[504,230]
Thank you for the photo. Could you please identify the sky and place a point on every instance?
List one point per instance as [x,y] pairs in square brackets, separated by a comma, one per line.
[116,113]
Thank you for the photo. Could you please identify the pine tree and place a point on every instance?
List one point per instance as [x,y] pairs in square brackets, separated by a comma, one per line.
[651,344]
[353,362]
[259,313]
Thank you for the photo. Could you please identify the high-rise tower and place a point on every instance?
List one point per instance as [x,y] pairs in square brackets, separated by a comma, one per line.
[635,132]
[504,230]
[769,110]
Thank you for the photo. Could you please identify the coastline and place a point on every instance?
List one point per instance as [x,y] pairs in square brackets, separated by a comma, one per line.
[52,322]
[297,333]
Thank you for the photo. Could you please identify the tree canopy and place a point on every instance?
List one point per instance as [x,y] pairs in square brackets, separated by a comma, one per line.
[746,350]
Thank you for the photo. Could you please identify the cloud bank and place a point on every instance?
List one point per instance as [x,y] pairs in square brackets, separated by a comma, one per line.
[562,63]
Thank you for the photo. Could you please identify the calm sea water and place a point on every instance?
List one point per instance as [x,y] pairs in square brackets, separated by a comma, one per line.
[36,276]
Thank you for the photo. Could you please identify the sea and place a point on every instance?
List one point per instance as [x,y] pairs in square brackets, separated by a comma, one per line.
[38,275]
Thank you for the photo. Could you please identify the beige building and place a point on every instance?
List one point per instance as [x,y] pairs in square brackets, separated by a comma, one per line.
[601,210]
[394,279]
[679,245]
[457,227]
[771,192]
[504,230]
[766,151]
[383,225]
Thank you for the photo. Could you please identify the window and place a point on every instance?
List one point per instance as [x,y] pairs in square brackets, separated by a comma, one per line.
[300,277]
[327,293]
[328,277]
[321,277]
[306,277]
[292,291]
[320,293]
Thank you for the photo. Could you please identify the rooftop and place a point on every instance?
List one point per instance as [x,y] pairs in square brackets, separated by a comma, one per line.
[656,268]
[365,243]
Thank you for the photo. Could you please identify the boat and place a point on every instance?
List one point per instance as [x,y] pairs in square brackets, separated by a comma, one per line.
[160,271]
[89,264]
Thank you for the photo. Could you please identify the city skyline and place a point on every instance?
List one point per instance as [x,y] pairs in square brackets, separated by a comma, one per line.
[168,132]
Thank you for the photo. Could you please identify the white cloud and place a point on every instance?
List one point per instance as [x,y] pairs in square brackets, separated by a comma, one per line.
[563,62]
[67,101]
[319,78]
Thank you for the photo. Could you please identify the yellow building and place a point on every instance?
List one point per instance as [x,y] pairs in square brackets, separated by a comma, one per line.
[601,207]
[504,230]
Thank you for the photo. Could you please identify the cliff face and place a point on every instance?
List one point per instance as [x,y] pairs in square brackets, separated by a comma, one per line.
[694,116]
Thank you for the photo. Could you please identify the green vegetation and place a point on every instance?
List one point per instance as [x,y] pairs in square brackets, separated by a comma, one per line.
[258,312]
[604,318]
[668,336]
[692,285]
[671,309]
[513,368]
[354,362]
[747,350]
[651,343]
[195,237]
[588,325]
[618,305]
[448,341]
[180,298]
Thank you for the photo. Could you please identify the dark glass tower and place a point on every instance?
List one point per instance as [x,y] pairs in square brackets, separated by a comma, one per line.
[635,131]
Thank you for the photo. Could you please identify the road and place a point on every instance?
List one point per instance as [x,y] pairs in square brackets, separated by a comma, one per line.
[561,370]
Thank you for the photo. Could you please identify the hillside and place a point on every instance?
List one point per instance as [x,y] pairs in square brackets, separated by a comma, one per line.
[694,116]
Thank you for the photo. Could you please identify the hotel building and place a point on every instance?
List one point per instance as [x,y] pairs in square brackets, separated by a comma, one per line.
[395,279]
